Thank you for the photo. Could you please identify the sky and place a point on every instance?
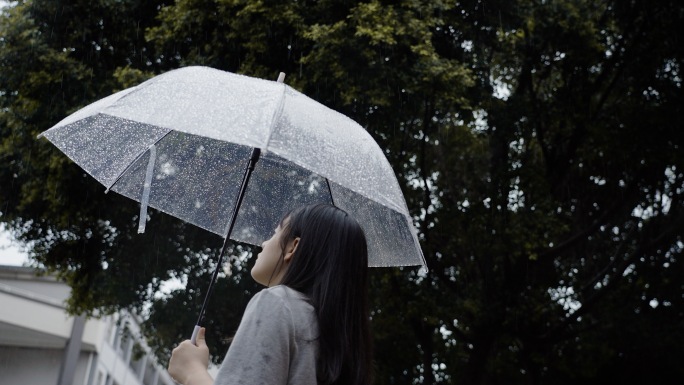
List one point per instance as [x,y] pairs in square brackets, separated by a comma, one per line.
[10,250]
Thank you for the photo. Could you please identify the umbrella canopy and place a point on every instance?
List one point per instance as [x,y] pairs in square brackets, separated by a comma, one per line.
[179,142]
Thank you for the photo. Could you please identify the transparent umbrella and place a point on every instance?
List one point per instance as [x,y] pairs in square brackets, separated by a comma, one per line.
[231,154]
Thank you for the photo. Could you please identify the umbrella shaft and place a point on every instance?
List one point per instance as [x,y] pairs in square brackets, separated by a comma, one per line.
[253,159]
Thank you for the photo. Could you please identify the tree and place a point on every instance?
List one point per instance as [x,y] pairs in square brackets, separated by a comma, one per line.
[586,141]
[55,59]
[537,144]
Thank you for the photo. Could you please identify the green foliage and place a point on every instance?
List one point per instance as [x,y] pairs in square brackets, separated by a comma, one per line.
[538,145]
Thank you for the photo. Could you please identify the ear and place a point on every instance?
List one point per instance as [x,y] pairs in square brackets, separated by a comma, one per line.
[290,249]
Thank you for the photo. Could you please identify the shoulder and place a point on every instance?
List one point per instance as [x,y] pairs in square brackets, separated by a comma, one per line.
[288,304]
[285,293]
[281,297]
[280,294]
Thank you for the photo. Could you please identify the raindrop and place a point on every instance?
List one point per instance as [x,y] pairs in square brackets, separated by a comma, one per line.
[168,169]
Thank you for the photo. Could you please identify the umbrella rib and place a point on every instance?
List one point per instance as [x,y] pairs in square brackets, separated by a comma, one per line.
[121,174]
[330,191]
[276,115]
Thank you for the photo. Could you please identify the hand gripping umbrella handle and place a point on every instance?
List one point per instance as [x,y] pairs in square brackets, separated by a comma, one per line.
[195,331]
[254,157]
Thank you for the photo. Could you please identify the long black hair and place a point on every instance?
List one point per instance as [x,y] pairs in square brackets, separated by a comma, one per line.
[330,265]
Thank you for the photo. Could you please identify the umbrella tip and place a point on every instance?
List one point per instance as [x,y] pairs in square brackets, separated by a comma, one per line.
[281,77]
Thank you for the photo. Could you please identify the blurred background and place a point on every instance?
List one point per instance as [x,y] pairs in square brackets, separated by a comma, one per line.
[538,144]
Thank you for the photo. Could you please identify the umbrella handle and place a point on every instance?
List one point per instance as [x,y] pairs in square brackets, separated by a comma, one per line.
[196,330]
[254,157]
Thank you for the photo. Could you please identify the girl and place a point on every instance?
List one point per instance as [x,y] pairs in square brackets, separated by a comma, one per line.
[311,325]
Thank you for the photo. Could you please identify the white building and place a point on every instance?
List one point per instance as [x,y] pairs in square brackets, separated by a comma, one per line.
[41,344]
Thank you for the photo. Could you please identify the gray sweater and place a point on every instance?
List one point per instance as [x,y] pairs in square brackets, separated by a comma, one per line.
[276,342]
